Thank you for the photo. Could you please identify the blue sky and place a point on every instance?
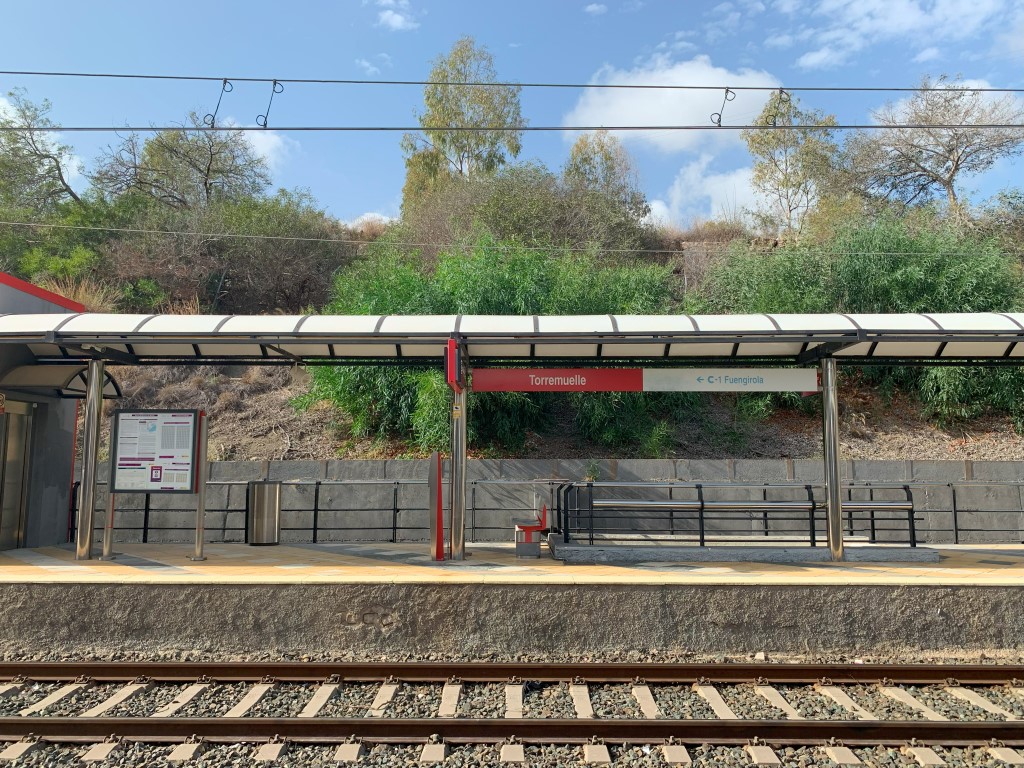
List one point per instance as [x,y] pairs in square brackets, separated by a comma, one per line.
[831,43]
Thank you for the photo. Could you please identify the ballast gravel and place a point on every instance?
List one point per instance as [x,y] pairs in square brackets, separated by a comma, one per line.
[947,705]
[145,703]
[81,700]
[415,700]
[881,706]
[550,700]
[968,757]
[482,700]
[681,702]
[812,704]
[615,702]
[748,704]
[283,700]
[1009,698]
[350,700]
[25,697]
[884,757]
[215,700]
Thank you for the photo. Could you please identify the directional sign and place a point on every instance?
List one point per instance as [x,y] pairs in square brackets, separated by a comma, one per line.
[645,380]
[731,380]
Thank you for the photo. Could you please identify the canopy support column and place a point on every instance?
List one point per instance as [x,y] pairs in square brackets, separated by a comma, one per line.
[87,500]
[833,487]
[457,493]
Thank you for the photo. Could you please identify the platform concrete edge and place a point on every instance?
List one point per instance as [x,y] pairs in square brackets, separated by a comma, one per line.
[469,620]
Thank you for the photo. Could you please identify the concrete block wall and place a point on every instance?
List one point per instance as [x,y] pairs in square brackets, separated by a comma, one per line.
[357,499]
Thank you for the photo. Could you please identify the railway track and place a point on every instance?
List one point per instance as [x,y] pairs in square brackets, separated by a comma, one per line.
[674,713]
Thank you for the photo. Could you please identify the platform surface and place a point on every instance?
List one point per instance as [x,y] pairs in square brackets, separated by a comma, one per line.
[409,563]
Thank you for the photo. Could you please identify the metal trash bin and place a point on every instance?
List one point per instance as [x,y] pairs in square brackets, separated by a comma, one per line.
[527,543]
[264,517]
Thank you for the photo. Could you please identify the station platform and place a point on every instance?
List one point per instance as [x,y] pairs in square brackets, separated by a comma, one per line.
[372,600]
[383,562]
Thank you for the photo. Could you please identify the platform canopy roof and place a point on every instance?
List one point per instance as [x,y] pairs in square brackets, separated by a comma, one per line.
[55,381]
[506,340]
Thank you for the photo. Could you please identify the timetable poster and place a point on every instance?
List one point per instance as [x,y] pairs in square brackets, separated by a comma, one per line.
[154,451]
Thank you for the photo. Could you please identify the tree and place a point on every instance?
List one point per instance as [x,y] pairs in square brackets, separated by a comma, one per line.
[451,101]
[599,163]
[791,163]
[912,164]
[186,168]
[34,168]
[604,205]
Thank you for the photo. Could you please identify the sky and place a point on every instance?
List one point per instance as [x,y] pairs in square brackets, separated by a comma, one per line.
[687,175]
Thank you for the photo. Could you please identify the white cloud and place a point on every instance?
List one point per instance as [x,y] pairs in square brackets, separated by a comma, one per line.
[275,148]
[403,4]
[823,58]
[849,26]
[370,217]
[1010,42]
[928,54]
[367,67]
[395,21]
[697,193]
[787,6]
[609,107]
[779,41]
[596,9]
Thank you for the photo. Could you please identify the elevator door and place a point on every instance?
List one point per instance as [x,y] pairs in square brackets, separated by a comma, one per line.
[15,429]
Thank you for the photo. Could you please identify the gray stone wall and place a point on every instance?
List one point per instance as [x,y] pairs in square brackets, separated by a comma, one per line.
[378,500]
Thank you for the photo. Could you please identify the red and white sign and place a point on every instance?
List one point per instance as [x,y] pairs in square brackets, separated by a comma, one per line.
[558,379]
[645,380]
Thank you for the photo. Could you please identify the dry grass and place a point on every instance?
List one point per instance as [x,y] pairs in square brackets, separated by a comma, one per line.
[94,295]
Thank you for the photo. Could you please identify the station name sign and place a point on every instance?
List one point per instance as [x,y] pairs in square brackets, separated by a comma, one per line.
[645,380]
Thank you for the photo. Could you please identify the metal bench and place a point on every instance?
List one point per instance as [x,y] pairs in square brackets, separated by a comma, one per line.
[698,509]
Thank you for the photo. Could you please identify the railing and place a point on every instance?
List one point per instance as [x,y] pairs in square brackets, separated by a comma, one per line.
[397,519]
[605,510]
[396,512]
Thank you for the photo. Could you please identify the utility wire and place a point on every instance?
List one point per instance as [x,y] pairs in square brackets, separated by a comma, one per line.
[408,244]
[623,86]
[502,128]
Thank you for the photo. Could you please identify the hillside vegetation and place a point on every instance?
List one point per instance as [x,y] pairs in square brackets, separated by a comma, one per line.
[189,221]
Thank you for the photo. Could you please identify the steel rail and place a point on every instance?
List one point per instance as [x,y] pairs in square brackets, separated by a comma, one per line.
[967,674]
[532,730]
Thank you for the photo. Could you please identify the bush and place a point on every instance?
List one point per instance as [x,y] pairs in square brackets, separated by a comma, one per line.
[913,265]
[491,277]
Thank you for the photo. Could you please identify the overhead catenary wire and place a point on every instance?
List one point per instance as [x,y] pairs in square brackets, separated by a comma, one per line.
[411,244]
[501,84]
[501,128]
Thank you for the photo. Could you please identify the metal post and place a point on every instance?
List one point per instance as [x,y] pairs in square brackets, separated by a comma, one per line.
[435,511]
[833,488]
[457,495]
[87,505]
[202,471]
[108,530]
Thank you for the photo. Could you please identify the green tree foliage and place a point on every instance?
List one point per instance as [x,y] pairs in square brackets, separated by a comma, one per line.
[531,204]
[917,264]
[491,278]
[790,166]
[911,165]
[449,101]
[249,255]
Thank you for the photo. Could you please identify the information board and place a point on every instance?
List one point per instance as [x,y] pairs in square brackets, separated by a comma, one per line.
[154,451]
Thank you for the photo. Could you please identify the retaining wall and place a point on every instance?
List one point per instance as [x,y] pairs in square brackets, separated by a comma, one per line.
[384,499]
